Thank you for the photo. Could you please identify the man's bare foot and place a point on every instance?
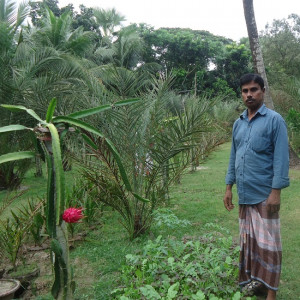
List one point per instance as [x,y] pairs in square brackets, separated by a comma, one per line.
[271,295]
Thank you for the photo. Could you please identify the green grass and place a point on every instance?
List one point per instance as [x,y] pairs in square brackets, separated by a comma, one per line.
[32,188]
[199,199]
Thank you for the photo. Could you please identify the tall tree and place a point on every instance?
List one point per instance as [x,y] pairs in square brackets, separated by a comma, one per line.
[258,62]
[281,47]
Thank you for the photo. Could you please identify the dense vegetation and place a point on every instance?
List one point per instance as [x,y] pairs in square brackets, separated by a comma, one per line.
[153,102]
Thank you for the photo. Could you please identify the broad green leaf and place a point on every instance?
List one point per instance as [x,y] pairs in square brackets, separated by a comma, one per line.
[199,296]
[89,112]
[110,145]
[59,173]
[126,102]
[16,156]
[12,128]
[237,296]
[149,292]
[138,197]
[20,108]
[172,291]
[51,109]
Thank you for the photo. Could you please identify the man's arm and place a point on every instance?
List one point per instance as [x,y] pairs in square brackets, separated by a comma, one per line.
[273,201]
[280,157]
[228,198]
[230,177]
[280,167]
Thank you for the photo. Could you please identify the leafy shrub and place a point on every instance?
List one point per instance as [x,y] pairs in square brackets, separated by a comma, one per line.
[194,268]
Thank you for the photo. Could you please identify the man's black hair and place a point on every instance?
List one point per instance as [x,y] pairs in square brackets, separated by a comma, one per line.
[252,77]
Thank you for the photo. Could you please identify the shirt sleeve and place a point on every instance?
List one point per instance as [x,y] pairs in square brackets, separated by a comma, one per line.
[230,176]
[281,156]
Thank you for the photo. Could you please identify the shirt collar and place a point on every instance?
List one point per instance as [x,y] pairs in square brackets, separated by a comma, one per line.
[262,111]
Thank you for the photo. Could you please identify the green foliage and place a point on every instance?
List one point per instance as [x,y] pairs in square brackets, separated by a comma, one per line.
[231,64]
[194,268]
[22,224]
[11,237]
[33,214]
[225,113]
[12,169]
[107,20]
[164,217]
[281,46]
[38,10]
[293,120]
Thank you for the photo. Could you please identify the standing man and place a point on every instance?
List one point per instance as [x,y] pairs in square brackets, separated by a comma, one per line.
[259,165]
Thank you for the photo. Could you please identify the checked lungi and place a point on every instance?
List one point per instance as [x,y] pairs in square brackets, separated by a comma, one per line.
[260,245]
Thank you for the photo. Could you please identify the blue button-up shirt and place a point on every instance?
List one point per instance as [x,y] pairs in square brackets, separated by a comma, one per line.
[259,158]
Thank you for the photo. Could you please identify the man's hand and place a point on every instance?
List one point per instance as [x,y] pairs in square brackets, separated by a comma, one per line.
[228,198]
[273,201]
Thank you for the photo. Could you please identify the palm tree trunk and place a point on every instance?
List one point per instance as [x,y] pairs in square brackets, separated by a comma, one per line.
[258,62]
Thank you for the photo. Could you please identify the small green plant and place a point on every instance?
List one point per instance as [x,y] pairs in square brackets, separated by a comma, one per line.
[33,214]
[164,217]
[8,200]
[16,228]
[195,268]
[11,237]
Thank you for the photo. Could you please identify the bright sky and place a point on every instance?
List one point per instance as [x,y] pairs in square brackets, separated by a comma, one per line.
[220,17]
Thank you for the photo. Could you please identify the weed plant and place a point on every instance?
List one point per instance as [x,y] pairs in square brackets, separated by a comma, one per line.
[191,268]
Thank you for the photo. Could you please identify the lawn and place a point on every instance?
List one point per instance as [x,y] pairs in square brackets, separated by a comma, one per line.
[97,260]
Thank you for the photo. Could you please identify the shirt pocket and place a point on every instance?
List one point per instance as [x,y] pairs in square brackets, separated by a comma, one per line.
[261,144]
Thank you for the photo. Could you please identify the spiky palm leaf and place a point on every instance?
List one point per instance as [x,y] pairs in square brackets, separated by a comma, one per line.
[13,14]
[108,20]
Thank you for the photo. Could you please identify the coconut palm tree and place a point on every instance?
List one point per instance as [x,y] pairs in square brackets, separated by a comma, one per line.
[57,32]
[108,20]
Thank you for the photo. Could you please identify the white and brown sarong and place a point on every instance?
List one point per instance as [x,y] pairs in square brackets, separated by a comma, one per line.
[260,245]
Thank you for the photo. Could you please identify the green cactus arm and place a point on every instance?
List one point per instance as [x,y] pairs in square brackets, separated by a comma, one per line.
[59,173]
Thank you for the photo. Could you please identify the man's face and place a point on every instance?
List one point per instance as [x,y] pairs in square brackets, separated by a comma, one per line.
[253,95]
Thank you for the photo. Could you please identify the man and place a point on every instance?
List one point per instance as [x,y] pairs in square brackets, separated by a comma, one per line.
[259,165]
